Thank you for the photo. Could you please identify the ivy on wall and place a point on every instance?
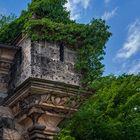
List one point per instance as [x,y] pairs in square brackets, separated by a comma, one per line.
[49,20]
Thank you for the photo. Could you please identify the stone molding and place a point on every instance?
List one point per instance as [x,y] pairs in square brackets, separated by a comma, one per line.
[40,105]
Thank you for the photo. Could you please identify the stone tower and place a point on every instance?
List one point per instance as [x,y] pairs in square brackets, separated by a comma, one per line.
[39,84]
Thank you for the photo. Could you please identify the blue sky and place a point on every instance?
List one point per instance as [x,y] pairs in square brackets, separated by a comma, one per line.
[123,48]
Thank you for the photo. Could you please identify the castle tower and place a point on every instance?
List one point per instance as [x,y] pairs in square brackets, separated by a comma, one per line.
[43,87]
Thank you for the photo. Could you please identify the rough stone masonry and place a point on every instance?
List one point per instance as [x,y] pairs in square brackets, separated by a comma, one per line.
[39,85]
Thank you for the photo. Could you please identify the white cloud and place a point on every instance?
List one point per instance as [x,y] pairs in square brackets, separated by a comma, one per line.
[132,43]
[84,3]
[73,7]
[135,68]
[109,15]
[107,1]
[128,66]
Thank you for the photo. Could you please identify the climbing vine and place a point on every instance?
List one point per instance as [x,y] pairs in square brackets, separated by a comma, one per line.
[49,20]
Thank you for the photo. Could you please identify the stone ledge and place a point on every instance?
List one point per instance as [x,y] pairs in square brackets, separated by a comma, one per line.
[40,86]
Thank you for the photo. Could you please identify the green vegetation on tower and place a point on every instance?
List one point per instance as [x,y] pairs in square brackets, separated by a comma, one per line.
[49,20]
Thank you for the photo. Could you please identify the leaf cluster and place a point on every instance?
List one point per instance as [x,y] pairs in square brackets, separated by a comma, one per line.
[6,19]
[50,9]
[10,31]
[112,114]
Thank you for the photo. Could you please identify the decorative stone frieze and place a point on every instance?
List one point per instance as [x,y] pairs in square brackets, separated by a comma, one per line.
[40,105]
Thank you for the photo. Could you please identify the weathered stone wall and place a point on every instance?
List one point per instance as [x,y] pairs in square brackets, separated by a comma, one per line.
[22,67]
[39,105]
[3,85]
[46,63]
[42,60]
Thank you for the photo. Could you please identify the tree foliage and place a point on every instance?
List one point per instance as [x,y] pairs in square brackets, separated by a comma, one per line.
[51,9]
[4,20]
[64,135]
[112,114]
[49,20]
[10,31]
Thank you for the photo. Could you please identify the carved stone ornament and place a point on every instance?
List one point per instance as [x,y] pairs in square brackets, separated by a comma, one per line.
[40,106]
[9,128]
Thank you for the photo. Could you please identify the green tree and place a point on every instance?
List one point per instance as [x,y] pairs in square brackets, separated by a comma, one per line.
[64,135]
[113,113]
[49,20]
[4,20]
[51,9]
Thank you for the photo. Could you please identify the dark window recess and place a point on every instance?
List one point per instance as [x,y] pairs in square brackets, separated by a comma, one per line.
[14,69]
[62,52]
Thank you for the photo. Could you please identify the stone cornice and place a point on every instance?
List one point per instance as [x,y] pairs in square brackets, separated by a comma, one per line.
[36,86]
